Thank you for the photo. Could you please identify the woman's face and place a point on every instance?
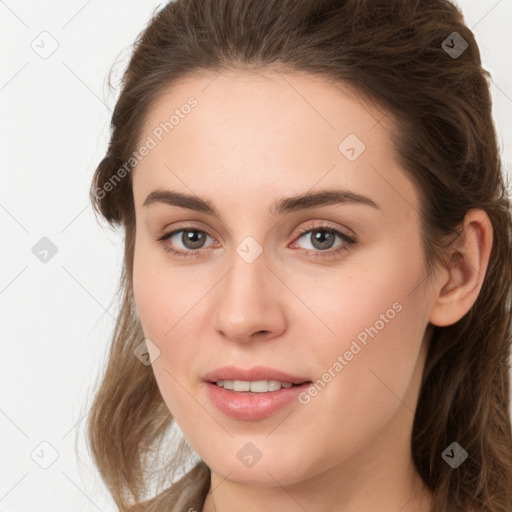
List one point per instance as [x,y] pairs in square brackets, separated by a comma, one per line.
[273,282]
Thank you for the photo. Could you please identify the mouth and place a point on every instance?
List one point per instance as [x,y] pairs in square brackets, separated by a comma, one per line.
[256,394]
[256,386]
[258,379]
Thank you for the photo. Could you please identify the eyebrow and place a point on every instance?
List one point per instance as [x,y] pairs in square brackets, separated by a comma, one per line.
[279,207]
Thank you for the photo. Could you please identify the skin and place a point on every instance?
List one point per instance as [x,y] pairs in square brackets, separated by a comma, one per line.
[254,138]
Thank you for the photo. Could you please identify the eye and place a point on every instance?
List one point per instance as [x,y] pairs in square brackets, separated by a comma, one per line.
[322,238]
[191,238]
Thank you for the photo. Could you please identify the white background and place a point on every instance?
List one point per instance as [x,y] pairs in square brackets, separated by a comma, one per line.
[57,316]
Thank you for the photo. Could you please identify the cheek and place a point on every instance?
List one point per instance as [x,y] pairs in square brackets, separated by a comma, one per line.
[170,303]
[162,312]
[378,320]
[373,290]
[368,331]
[151,292]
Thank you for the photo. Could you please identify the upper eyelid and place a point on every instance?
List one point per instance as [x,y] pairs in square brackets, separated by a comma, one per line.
[329,224]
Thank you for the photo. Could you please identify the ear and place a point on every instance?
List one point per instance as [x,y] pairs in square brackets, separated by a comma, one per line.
[462,281]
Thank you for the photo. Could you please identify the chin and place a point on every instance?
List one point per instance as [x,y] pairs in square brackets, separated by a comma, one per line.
[267,471]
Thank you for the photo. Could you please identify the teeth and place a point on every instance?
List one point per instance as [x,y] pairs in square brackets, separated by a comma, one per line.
[258,386]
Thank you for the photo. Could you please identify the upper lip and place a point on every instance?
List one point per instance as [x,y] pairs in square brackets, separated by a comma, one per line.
[252,374]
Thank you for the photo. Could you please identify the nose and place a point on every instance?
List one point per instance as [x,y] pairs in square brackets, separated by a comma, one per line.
[250,302]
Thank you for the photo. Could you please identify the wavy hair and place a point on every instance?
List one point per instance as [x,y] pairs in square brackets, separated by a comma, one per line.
[394,54]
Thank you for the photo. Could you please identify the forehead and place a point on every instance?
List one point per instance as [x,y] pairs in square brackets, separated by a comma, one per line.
[251,136]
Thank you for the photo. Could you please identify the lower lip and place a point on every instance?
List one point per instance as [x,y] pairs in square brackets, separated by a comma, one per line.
[252,406]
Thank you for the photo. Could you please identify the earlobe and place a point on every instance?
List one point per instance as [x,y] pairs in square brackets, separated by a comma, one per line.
[468,263]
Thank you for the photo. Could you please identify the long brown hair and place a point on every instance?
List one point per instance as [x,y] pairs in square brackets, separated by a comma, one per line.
[397,54]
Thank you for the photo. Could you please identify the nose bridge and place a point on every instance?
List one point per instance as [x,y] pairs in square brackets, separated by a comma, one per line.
[243,283]
[246,302]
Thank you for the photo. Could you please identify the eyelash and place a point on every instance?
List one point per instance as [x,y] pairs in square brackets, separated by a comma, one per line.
[349,241]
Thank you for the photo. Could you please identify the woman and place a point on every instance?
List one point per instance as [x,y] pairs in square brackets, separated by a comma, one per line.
[317,275]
